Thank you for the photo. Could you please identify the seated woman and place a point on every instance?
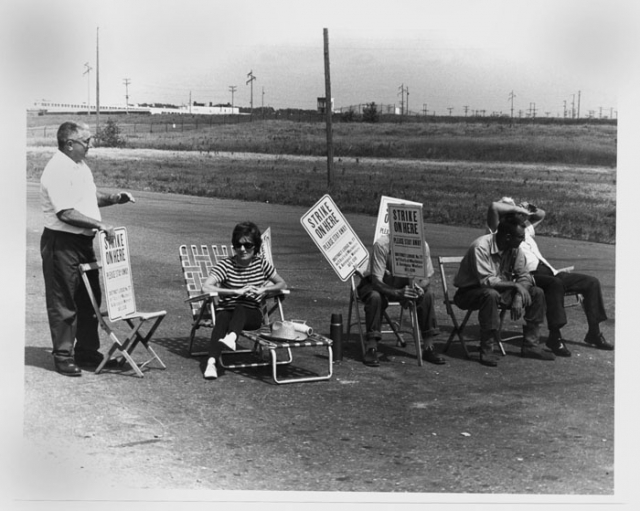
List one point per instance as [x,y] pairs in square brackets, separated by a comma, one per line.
[241,282]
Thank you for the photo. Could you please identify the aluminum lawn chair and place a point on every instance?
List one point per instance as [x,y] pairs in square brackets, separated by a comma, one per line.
[196,261]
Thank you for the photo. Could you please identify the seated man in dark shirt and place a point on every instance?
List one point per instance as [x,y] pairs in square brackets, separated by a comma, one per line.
[554,284]
[492,273]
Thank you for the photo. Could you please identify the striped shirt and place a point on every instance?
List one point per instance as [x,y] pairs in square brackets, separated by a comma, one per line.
[229,275]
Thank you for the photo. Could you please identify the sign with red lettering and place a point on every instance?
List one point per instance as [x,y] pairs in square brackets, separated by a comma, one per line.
[335,238]
[116,274]
[406,239]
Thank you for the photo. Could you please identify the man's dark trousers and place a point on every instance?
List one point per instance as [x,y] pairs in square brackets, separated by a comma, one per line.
[71,315]
[487,301]
[555,287]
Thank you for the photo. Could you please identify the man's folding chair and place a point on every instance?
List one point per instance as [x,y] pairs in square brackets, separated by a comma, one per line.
[453,263]
[196,261]
[136,320]
[396,326]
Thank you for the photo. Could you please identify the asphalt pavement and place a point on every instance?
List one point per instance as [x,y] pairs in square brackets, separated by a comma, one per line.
[527,428]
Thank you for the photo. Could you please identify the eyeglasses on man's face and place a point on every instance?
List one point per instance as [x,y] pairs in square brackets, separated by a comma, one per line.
[84,143]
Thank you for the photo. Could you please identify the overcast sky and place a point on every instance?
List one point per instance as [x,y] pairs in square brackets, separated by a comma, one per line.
[447,53]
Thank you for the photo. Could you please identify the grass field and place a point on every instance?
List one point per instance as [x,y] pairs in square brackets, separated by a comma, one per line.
[454,169]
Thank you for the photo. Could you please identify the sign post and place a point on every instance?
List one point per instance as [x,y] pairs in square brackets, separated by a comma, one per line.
[335,238]
[116,266]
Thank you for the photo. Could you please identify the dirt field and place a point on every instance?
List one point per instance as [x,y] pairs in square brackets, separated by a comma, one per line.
[541,431]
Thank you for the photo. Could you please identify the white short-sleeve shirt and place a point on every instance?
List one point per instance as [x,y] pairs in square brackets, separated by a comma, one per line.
[65,184]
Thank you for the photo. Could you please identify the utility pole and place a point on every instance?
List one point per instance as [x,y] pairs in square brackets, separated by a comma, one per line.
[232,88]
[578,104]
[511,96]
[250,81]
[402,99]
[262,107]
[126,82]
[466,108]
[564,109]
[407,91]
[88,73]
[97,80]
[450,110]
[328,112]
[573,106]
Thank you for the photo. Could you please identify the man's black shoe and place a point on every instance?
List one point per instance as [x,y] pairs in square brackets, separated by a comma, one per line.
[558,347]
[488,358]
[93,360]
[536,352]
[599,342]
[371,358]
[67,367]
[430,355]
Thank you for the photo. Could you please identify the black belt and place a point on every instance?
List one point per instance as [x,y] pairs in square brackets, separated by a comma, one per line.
[66,233]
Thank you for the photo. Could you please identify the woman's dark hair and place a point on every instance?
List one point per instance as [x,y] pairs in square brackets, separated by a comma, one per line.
[249,230]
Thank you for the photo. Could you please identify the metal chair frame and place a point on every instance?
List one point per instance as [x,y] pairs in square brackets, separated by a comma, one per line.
[458,328]
[396,326]
[135,336]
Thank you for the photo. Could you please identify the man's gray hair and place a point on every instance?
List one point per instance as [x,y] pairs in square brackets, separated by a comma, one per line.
[69,130]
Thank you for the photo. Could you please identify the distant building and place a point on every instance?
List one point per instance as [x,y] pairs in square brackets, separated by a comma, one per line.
[322,105]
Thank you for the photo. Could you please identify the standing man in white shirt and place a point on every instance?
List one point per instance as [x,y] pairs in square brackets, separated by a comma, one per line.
[71,205]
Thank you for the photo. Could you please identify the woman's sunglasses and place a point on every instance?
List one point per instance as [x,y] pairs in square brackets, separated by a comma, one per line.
[247,246]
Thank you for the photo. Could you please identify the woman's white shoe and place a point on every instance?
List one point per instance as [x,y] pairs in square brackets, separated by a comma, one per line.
[211,373]
[229,341]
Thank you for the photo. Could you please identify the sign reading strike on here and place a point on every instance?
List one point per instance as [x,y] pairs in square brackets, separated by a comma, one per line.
[406,238]
[116,273]
[382,224]
[334,237]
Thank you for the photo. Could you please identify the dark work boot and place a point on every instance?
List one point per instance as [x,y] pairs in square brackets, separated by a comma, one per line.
[487,356]
[531,343]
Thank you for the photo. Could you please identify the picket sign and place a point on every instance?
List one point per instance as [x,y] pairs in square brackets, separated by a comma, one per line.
[406,239]
[335,238]
[382,224]
[116,273]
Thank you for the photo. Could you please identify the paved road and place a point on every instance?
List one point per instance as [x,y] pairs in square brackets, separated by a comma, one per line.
[527,427]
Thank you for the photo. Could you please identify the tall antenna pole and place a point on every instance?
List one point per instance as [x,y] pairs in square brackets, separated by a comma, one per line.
[97,79]
[328,110]
[126,82]
[88,73]
[251,80]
